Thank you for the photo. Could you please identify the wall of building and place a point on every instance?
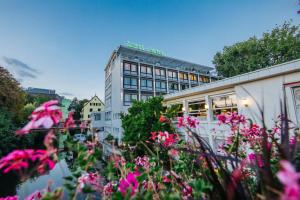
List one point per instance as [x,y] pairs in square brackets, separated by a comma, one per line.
[265,94]
[95,104]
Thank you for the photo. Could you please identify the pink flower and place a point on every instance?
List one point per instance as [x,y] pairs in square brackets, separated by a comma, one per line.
[129,183]
[9,198]
[162,119]
[90,179]
[49,140]
[108,189]
[232,119]
[165,138]
[253,159]
[47,115]
[187,191]
[289,178]
[70,123]
[143,162]
[173,153]
[166,179]
[191,122]
[180,122]
[35,196]
[83,126]
[20,159]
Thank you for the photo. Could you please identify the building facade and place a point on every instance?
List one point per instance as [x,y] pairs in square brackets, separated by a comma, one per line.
[93,105]
[265,89]
[135,74]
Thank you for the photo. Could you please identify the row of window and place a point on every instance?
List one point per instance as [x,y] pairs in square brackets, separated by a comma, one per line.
[219,104]
[147,71]
[95,104]
[91,109]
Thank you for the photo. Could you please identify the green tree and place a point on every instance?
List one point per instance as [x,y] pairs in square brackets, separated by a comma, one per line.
[141,119]
[280,45]
[12,98]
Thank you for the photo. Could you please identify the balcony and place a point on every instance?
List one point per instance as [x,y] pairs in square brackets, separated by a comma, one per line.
[131,73]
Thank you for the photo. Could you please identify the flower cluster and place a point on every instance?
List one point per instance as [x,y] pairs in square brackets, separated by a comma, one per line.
[290,179]
[69,122]
[108,189]
[90,179]
[143,162]
[20,159]
[165,138]
[233,119]
[191,122]
[129,183]
[47,115]
[255,159]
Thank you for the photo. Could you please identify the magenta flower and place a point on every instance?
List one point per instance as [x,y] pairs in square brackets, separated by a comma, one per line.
[9,198]
[187,191]
[191,122]
[143,162]
[129,183]
[165,138]
[289,178]
[69,122]
[231,119]
[173,153]
[47,115]
[255,159]
[90,179]
[108,189]
[37,195]
[20,159]
[180,122]
[162,119]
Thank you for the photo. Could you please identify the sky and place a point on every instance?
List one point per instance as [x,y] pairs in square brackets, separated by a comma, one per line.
[65,44]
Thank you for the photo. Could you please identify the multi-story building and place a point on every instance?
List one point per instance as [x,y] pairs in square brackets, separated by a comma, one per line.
[138,74]
[93,105]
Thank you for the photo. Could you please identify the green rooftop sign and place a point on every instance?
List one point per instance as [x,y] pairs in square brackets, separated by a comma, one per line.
[141,47]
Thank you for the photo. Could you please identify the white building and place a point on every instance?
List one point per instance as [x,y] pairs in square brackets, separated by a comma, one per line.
[97,125]
[134,73]
[264,89]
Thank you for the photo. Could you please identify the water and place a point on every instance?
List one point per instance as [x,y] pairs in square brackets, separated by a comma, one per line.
[10,184]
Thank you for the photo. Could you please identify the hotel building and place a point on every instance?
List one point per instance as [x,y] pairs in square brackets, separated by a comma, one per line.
[137,74]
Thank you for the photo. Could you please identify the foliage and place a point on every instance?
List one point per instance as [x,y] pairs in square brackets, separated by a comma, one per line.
[280,45]
[142,118]
[76,106]
[11,95]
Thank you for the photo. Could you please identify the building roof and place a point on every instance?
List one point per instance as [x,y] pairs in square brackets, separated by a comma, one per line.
[276,70]
[159,60]
[92,99]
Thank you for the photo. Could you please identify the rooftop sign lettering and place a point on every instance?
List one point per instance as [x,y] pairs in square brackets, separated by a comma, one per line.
[141,47]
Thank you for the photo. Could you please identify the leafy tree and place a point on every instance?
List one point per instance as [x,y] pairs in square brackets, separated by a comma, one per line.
[143,118]
[280,45]
[76,106]
[11,95]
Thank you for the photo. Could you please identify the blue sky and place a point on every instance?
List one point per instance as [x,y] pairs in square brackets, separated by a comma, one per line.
[65,44]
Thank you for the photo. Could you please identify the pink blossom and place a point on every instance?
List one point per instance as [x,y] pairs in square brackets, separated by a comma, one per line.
[289,178]
[253,159]
[20,159]
[165,138]
[83,126]
[166,179]
[70,123]
[232,119]
[143,162]
[292,140]
[191,122]
[90,179]
[47,115]
[173,153]
[108,189]
[9,198]
[37,195]
[187,191]
[129,183]
[162,119]
[49,140]
[118,161]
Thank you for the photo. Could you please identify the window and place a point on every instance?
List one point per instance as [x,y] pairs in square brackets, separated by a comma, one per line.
[183,77]
[296,93]
[116,115]
[173,87]
[108,116]
[91,109]
[130,68]
[146,71]
[223,104]
[88,116]
[99,109]
[146,84]
[178,108]
[184,86]
[130,83]
[160,73]
[197,109]
[97,116]
[160,86]
[128,98]
[172,75]
[204,79]
[193,78]
[145,97]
